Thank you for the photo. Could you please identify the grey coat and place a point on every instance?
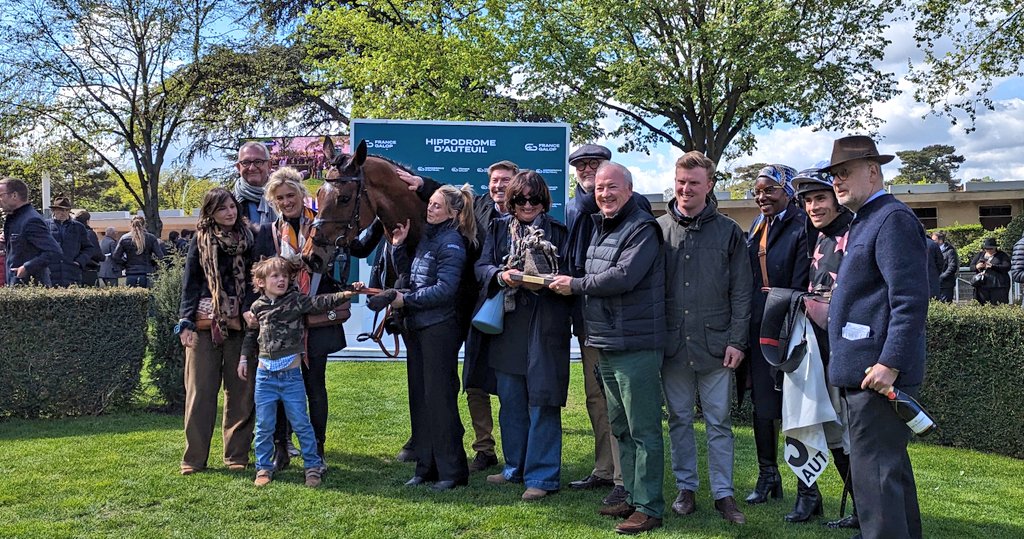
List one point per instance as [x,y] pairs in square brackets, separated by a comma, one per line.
[707,292]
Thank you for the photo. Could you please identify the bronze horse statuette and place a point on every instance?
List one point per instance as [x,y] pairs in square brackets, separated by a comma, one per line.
[358,188]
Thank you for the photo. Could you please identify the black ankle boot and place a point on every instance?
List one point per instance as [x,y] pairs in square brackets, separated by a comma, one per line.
[281,457]
[808,503]
[320,452]
[769,482]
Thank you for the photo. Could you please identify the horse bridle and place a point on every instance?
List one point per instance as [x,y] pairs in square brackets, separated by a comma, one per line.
[340,246]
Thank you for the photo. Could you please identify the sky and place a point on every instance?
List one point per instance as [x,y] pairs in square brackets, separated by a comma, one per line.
[994,149]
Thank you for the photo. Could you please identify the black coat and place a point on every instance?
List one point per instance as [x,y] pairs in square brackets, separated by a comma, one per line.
[77,251]
[535,340]
[999,273]
[135,262]
[29,244]
[788,267]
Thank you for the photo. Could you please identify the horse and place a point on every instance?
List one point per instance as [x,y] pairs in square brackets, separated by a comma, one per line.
[358,188]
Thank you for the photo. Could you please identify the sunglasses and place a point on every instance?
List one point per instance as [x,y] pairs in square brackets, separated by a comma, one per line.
[520,200]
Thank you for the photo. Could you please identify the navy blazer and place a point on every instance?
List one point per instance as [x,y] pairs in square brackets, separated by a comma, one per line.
[29,244]
[880,303]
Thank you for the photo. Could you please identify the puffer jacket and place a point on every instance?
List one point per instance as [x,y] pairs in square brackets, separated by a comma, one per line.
[624,285]
[76,251]
[1017,262]
[434,275]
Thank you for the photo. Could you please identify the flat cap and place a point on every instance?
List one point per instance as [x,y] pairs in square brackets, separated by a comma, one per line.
[590,151]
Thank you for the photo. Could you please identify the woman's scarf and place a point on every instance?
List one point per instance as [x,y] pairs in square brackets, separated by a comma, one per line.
[291,242]
[236,243]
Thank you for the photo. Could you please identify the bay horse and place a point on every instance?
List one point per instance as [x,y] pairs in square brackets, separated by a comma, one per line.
[358,188]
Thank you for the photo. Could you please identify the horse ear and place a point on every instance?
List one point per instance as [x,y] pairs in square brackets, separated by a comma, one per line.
[360,156]
[329,149]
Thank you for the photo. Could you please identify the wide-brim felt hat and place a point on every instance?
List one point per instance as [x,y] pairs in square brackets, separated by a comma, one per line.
[989,243]
[855,147]
[590,151]
[61,203]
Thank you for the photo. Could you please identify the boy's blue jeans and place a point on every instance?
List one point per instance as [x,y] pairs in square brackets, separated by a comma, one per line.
[286,387]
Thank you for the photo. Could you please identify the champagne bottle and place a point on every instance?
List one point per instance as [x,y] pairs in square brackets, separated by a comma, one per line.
[911,411]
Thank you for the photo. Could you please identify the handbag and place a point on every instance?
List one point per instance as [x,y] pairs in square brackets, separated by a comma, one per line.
[204,314]
[980,280]
[490,318]
[333,317]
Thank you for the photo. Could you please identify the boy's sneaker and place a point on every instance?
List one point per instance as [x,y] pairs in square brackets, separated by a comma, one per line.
[313,477]
[263,478]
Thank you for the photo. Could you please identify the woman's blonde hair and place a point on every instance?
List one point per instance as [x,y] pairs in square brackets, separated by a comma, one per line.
[460,201]
[138,232]
[284,176]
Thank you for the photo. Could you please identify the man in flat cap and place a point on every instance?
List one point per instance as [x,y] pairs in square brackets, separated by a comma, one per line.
[578,212]
[877,333]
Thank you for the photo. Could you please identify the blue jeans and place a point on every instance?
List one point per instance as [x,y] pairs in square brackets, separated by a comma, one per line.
[531,436]
[287,388]
[137,281]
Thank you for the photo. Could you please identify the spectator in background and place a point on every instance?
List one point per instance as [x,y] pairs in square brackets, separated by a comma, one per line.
[139,252]
[184,240]
[171,245]
[950,267]
[90,272]
[1017,262]
[110,270]
[936,263]
[992,274]
[30,246]
[76,249]
[253,173]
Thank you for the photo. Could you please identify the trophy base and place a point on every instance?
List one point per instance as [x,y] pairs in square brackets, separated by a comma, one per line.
[533,279]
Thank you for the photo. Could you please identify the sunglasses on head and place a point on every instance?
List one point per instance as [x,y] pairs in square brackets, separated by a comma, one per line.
[520,200]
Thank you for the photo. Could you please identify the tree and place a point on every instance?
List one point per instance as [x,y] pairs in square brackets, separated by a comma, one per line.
[987,45]
[702,75]
[741,182]
[74,172]
[936,163]
[119,76]
[422,59]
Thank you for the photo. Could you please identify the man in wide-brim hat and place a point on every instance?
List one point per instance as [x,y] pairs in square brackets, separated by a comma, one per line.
[876,329]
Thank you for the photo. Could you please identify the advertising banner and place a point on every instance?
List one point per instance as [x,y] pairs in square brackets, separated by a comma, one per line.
[460,152]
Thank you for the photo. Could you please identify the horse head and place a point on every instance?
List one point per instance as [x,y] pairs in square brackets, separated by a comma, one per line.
[344,208]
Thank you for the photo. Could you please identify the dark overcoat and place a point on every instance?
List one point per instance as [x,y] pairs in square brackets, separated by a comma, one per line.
[788,267]
[537,331]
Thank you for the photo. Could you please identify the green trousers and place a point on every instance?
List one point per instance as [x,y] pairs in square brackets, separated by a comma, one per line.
[632,382]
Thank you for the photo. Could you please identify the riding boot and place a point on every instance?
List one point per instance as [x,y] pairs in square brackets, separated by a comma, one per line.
[281,457]
[808,503]
[769,482]
[323,461]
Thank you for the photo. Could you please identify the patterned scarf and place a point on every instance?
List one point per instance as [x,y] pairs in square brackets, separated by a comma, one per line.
[235,243]
[292,241]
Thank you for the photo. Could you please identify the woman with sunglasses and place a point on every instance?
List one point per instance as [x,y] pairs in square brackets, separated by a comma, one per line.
[777,244]
[530,358]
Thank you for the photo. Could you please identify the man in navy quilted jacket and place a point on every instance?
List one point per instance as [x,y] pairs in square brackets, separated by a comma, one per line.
[877,333]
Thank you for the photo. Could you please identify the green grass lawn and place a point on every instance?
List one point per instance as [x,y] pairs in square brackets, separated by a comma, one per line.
[117,476]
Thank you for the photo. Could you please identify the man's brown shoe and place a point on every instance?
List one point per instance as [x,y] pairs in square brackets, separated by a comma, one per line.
[727,508]
[619,510]
[263,478]
[638,522]
[685,503]
[497,479]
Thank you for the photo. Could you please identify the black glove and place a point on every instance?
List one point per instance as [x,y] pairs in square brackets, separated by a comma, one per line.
[381,301]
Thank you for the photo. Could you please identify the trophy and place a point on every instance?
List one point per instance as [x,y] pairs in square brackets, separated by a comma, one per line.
[535,257]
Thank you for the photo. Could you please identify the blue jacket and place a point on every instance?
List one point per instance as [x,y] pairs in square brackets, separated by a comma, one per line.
[434,274]
[29,244]
[77,251]
[880,304]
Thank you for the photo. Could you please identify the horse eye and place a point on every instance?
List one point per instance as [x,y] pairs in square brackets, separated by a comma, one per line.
[344,199]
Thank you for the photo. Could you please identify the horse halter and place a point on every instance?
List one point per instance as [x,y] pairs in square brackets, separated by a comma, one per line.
[346,224]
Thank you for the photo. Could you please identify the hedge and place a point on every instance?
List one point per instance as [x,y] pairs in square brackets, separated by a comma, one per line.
[74,351]
[974,386]
[166,367]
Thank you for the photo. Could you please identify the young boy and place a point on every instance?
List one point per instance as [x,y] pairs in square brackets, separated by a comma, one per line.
[281,311]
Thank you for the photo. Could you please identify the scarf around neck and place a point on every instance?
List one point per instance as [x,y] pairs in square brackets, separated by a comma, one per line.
[235,243]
